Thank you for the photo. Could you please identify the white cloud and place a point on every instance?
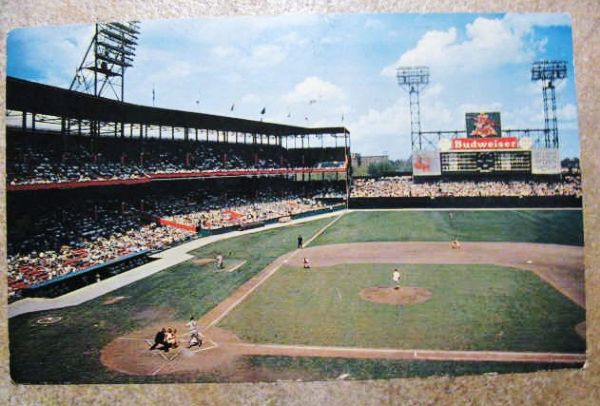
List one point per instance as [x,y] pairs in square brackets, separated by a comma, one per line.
[489,43]
[374,24]
[292,39]
[259,56]
[524,22]
[330,40]
[266,55]
[567,112]
[55,51]
[389,127]
[314,88]
[224,51]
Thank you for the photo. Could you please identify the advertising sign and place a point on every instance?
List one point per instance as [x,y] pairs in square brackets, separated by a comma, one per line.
[426,163]
[483,125]
[545,161]
[479,144]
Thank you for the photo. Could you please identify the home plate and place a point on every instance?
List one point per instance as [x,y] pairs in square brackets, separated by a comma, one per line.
[162,354]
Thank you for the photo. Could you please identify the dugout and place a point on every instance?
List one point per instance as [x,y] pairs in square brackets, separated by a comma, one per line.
[76,280]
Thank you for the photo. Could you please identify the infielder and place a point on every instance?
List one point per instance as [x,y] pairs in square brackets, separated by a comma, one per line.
[396,278]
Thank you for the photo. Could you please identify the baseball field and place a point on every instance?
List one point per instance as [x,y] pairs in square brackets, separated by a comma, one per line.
[510,299]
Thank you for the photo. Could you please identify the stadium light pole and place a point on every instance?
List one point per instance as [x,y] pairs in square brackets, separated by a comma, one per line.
[102,70]
[413,79]
[549,72]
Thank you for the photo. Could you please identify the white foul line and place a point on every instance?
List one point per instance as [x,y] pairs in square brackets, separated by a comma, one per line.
[268,275]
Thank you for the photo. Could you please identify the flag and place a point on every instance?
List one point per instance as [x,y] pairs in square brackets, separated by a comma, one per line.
[312,101]
[232,107]
[289,115]
[306,118]
[153,96]
[263,111]
[342,117]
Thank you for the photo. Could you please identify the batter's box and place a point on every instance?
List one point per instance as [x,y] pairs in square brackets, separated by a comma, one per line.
[167,356]
[204,347]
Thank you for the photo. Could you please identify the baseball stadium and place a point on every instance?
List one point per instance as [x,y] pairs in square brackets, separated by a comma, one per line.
[149,245]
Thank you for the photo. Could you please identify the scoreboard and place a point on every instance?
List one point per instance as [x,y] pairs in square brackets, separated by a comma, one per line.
[485,162]
[485,151]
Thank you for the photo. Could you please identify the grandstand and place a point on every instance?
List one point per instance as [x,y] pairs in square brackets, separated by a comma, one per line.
[120,181]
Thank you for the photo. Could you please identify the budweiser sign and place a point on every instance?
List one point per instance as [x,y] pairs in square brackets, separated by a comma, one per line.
[485,143]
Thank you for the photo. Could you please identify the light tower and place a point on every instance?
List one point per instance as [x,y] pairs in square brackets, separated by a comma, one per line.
[111,51]
[413,79]
[549,72]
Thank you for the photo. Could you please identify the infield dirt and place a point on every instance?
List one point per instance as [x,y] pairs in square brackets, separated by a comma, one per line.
[559,265]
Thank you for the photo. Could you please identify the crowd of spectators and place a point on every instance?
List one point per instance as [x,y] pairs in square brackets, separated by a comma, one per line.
[212,214]
[51,158]
[71,239]
[75,237]
[404,186]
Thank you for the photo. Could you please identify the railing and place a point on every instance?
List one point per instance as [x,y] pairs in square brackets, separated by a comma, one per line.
[75,280]
[175,175]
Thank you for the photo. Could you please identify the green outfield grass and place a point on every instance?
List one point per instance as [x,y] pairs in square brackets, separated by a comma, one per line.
[69,351]
[314,368]
[556,226]
[473,307]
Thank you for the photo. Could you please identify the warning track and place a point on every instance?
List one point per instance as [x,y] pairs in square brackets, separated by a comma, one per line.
[559,265]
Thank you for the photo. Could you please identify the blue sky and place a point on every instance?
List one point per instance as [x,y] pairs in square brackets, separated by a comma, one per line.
[344,62]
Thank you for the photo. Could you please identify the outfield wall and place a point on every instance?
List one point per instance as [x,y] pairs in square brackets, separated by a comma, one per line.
[464,202]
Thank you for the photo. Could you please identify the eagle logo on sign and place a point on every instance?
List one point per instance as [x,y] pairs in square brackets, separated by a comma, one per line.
[484,126]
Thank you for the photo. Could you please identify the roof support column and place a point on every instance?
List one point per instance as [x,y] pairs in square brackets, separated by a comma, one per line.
[24,121]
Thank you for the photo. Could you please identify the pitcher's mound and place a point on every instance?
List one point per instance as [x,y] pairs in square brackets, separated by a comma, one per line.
[404,295]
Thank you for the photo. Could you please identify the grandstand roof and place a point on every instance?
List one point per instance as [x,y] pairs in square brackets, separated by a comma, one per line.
[31,97]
